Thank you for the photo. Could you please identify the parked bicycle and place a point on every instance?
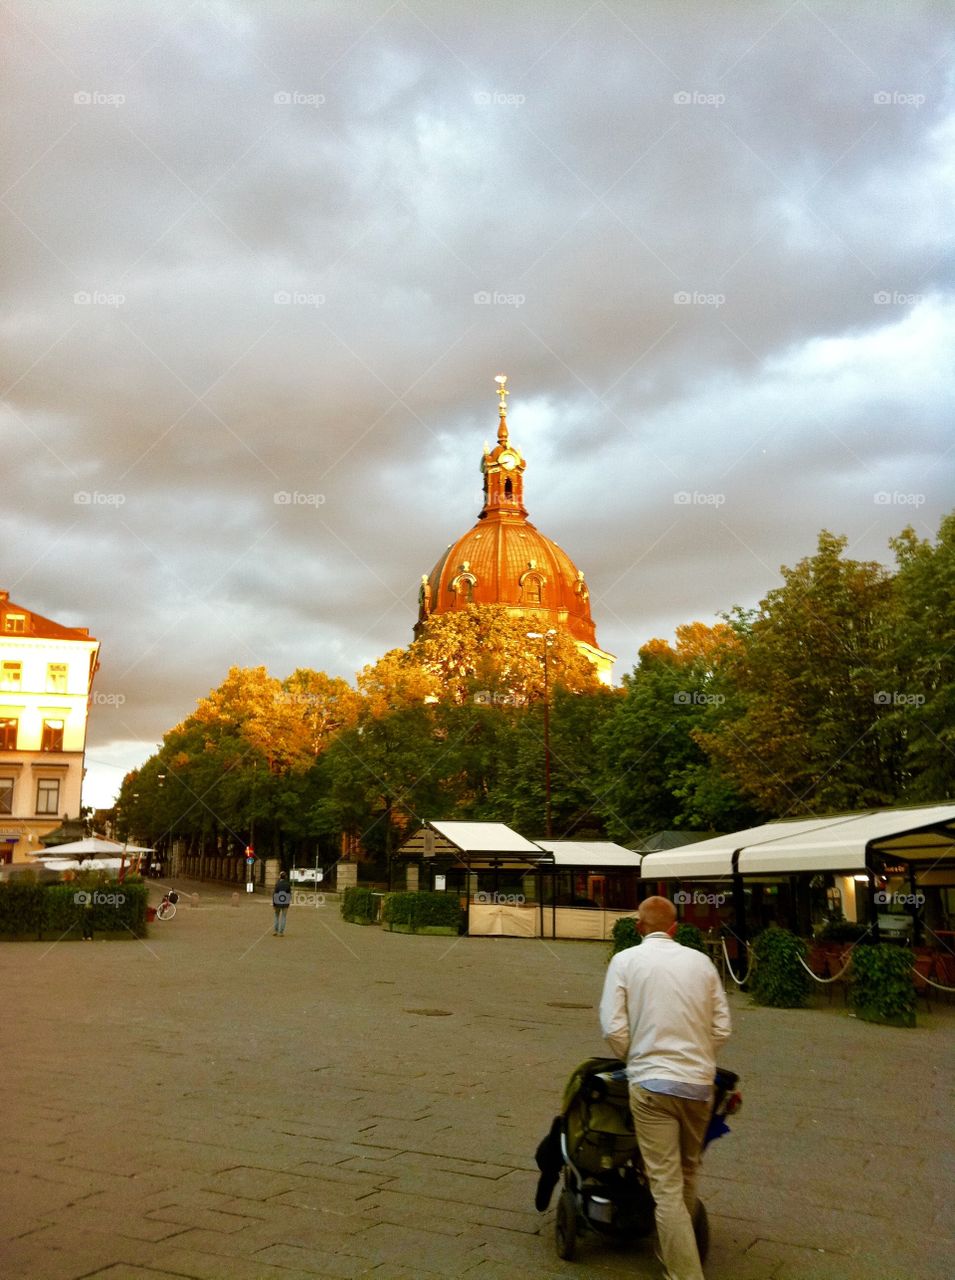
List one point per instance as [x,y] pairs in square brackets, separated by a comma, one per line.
[167,908]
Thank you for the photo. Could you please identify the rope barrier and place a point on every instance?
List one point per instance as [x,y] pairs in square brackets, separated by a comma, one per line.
[729,968]
[938,986]
[835,977]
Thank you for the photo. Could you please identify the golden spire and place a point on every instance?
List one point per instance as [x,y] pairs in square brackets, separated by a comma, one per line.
[502,394]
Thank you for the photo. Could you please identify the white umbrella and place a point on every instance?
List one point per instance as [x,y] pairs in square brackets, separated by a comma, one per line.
[91,846]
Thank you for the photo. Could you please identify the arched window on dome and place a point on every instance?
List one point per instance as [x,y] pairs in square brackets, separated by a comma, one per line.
[532,588]
[508,490]
[463,588]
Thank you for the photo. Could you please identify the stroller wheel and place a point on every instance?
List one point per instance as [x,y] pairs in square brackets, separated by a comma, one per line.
[566,1225]
[701,1229]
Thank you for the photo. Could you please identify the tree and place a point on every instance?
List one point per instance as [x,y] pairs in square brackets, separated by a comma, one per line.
[801,733]
[485,649]
[654,772]
[919,702]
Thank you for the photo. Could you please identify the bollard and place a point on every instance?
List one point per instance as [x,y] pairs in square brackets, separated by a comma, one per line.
[235,897]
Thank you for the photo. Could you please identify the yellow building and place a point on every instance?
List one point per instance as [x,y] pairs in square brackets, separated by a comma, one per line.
[46,678]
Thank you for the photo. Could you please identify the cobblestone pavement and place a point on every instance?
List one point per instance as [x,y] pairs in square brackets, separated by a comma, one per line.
[219,1103]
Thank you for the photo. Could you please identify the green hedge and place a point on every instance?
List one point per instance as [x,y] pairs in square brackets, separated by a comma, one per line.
[358,905]
[84,906]
[778,979]
[881,987]
[625,934]
[688,935]
[423,910]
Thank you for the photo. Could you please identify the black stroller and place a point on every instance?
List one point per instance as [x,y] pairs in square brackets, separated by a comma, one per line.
[593,1148]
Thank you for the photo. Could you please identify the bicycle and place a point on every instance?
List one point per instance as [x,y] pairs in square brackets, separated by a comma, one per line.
[167,908]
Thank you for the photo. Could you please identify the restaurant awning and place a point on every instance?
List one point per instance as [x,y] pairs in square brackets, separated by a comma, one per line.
[844,843]
[590,853]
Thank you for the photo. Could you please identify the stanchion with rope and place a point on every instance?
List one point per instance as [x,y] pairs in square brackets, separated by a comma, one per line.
[729,968]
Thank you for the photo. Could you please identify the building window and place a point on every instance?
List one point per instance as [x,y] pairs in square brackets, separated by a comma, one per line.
[11,675]
[56,677]
[48,795]
[52,739]
[15,622]
[8,734]
[6,795]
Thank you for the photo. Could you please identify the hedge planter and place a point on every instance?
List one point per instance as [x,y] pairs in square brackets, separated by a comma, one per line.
[422,913]
[778,979]
[86,907]
[359,906]
[881,988]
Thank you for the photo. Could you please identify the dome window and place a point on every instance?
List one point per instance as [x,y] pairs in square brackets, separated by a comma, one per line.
[532,588]
[463,588]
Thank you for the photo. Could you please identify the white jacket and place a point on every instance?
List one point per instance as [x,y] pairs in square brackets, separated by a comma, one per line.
[664,1010]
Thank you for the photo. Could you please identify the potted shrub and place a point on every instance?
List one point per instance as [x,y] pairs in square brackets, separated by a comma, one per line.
[777,978]
[624,934]
[880,985]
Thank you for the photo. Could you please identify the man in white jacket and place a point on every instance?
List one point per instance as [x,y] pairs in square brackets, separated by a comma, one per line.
[664,1010]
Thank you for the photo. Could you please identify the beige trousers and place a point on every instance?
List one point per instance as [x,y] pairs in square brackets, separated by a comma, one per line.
[670,1132]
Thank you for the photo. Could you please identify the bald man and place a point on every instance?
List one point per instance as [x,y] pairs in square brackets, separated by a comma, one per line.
[664,1011]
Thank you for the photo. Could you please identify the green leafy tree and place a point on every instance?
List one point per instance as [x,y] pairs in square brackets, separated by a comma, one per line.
[802,732]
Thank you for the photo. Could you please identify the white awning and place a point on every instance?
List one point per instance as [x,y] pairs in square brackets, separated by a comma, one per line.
[486,837]
[813,844]
[590,853]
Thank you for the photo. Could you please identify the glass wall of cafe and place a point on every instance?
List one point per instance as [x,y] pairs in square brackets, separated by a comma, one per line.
[526,884]
[805,902]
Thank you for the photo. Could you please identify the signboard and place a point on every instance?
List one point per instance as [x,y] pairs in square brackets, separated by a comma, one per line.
[428,843]
[440,882]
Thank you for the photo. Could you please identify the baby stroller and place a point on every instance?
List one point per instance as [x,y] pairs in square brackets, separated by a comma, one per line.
[592,1147]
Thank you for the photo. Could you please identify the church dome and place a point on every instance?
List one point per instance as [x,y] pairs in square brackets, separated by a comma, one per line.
[505,560]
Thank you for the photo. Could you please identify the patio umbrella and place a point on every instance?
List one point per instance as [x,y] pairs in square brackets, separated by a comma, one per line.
[92,846]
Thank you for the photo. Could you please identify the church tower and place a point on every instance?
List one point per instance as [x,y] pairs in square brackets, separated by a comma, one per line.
[505,560]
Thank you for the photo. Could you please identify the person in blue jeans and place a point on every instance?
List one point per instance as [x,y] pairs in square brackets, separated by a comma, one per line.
[281,899]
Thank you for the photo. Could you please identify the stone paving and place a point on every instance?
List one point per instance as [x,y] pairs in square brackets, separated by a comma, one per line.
[220,1104]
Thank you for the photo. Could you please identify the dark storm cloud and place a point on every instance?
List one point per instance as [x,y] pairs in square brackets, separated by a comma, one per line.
[262,263]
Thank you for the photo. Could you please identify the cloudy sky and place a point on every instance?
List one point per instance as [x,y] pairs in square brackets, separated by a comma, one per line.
[262,251]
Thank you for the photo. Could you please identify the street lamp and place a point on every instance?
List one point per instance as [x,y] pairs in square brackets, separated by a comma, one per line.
[548,639]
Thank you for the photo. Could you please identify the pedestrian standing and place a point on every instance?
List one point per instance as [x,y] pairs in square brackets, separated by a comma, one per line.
[281,900]
[664,1010]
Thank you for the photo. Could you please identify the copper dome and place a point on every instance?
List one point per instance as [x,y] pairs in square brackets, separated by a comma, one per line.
[505,560]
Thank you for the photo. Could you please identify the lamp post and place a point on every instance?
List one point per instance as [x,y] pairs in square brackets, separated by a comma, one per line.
[548,639]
